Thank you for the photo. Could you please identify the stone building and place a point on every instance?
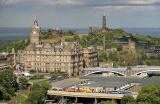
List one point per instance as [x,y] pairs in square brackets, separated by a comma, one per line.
[152,50]
[66,57]
[128,43]
[8,59]
[130,47]
[106,64]
[90,57]
[56,33]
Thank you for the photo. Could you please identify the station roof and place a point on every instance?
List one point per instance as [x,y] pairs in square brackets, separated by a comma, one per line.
[99,68]
[101,81]
[114,81]
[67,83]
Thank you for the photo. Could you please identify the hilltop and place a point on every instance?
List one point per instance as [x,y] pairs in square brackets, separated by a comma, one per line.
[118,57]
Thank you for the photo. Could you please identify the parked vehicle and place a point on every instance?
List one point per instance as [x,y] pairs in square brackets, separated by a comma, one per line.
[120,92]
[86,91]
[127,93]
[113,92]
[71,90]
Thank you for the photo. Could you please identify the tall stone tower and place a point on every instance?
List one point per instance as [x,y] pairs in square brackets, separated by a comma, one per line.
[35,34]
[104,22]
[104,30]
[14,57]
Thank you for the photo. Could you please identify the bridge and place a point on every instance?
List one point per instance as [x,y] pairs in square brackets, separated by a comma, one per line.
[123,71]
[95,96]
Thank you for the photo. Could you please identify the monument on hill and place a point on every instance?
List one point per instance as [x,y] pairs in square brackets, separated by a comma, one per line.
[104,23]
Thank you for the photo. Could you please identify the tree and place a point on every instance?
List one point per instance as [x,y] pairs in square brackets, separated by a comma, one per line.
[22,83]
[76,38]
[45,85]
[108,102]
[144,57]
[119,48]
[102,57]
[113,56]
[36,96]
[70,32]
[8,84]
[3,94]
[127,99]
[149,94]
[38,93]
[16,44]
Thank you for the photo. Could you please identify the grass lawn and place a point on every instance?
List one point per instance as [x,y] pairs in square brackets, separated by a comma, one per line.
[35,80]
[25,92]
[20,98]
[136,88]
[82,35]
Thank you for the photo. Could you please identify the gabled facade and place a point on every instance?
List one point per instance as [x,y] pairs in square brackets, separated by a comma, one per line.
[67,57]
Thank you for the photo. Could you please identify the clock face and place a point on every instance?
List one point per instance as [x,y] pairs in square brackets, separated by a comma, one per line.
[34,32]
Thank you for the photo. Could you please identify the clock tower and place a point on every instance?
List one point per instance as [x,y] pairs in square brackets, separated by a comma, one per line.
[35,34]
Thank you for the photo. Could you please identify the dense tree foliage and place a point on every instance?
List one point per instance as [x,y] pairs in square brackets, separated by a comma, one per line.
[17,45]
[152,40]
[113,56]
[38,93]
[8,84]
[127,99]
[149,94]
[46,34]
[23,82]
[121,58]
[70,32]
[102,57]
[108,102]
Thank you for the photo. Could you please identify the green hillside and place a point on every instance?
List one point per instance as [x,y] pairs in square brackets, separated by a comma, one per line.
[96,39]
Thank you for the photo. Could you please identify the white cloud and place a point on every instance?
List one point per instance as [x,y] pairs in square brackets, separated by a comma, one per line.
[128,8]
[47,2]
[8,2]
[85,2]
[142,1]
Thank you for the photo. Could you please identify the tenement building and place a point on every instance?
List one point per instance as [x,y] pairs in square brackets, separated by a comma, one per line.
[65,57]
[90,57]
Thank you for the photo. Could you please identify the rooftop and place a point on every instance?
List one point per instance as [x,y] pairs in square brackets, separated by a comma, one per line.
[67,83]
[115,81]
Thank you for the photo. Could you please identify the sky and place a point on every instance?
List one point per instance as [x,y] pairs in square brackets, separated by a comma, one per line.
[80,13]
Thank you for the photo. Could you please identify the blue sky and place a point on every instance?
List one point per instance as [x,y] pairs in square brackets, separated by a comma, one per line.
[80,13]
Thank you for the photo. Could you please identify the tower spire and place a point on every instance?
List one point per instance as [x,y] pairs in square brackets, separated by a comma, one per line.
[36,22]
